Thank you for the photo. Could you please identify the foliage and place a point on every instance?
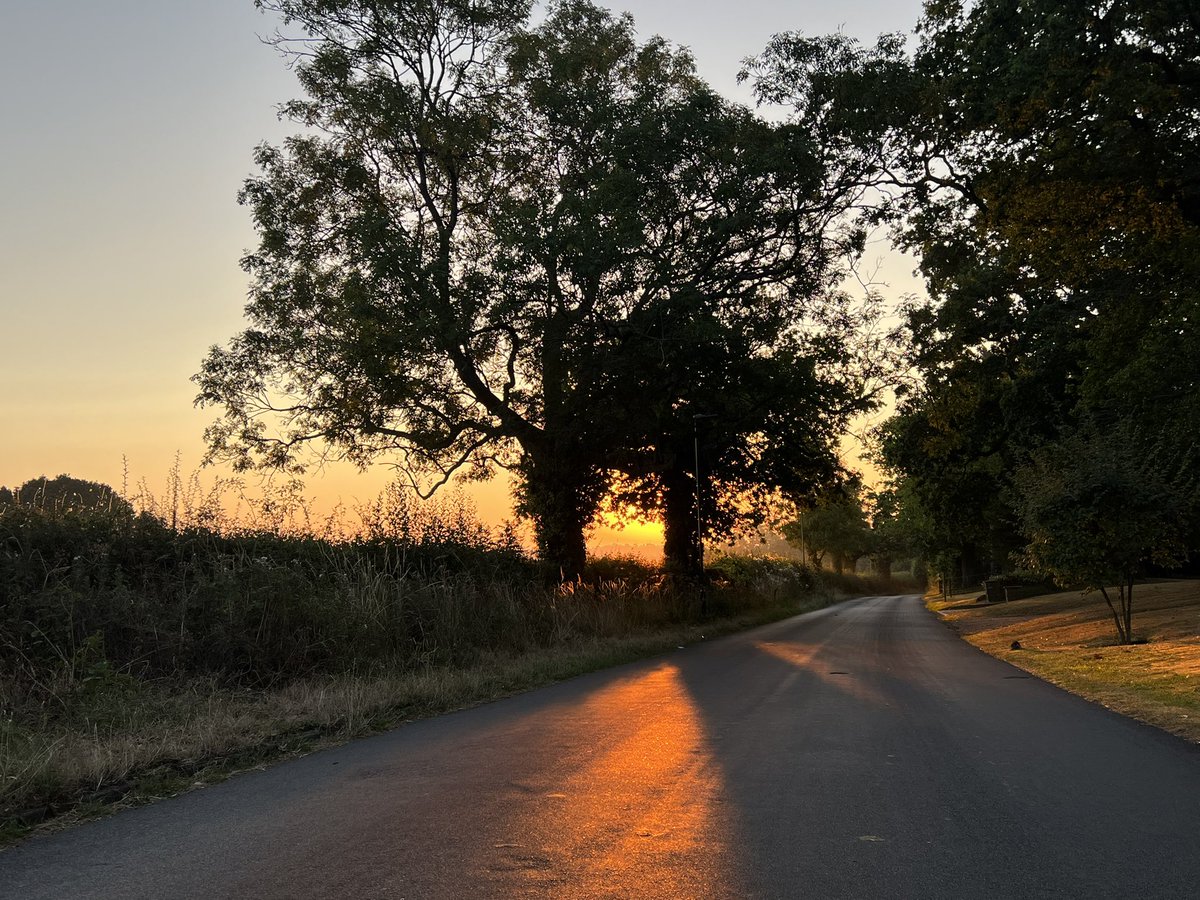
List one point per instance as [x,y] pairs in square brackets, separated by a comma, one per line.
[1040,158]
[544,248]
[768,430]
[90,599]
[836,526]
[244,605]
[1099,506]
[950,451]
[747,570]
[65,493]
[895,532]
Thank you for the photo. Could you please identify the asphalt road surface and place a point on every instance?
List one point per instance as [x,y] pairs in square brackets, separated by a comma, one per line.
[860,751]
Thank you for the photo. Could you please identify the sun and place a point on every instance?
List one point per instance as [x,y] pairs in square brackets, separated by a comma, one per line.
[611,534]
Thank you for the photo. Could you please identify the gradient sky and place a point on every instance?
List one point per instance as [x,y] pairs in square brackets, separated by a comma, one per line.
[128,127]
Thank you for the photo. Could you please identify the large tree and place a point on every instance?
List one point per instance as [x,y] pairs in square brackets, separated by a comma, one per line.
[372,304]
[701,241]
[460,258]
[1041,158]
[744,422]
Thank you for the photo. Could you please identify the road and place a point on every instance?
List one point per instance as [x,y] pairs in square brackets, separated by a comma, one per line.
[859,751]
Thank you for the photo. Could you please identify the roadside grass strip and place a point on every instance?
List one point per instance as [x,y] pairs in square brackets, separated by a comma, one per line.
[132,742]
[1069,640]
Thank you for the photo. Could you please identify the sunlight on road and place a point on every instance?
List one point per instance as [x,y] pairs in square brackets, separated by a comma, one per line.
[805,656]
[633,816]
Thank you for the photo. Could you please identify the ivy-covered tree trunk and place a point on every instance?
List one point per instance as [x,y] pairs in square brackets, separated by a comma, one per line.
[681,549]
[560,499]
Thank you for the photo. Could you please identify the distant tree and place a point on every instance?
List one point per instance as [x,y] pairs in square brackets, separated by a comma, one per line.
[893,533]
[835,527]
[65,493]
[1097,507]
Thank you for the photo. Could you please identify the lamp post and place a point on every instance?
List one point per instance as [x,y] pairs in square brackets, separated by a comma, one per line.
[699,517]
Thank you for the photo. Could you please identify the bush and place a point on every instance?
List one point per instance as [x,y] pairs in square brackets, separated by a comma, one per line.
[246,605]
[83,591]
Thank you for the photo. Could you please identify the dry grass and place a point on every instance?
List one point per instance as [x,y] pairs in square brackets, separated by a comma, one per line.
[1070,640]
[140,655]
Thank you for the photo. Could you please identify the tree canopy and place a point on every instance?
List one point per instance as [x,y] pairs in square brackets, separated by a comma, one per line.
[543,247]
[1041,160]
[835,526]
[1100,507]
[65,492]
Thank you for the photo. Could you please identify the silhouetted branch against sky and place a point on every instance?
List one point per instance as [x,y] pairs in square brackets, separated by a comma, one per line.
[131,130]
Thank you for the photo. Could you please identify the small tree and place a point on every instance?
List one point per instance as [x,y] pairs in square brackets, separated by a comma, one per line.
[1097,508]
[835,526]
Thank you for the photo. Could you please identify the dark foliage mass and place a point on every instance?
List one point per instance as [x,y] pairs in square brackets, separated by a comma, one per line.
[88,586]
[1041,159]
[89,595]
[65,493]
[545,246]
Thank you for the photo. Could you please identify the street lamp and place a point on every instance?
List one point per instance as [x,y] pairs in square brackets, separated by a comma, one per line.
[699,519]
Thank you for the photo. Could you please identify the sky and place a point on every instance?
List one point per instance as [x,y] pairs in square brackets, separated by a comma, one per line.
[128,127]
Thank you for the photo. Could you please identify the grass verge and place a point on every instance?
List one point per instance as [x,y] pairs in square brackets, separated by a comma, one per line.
[1069,640]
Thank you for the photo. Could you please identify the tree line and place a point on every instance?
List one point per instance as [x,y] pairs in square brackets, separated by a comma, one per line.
[1041,159]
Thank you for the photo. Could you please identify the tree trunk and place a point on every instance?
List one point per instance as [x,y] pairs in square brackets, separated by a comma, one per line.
[883,567]
[1127,604]
[560,499]
[681,550]
[563,546]
[1118,614]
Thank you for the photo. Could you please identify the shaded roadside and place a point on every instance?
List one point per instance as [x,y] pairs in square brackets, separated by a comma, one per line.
[1068,639]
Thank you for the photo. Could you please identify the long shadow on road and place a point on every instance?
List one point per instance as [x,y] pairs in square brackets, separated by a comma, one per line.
[893,760]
